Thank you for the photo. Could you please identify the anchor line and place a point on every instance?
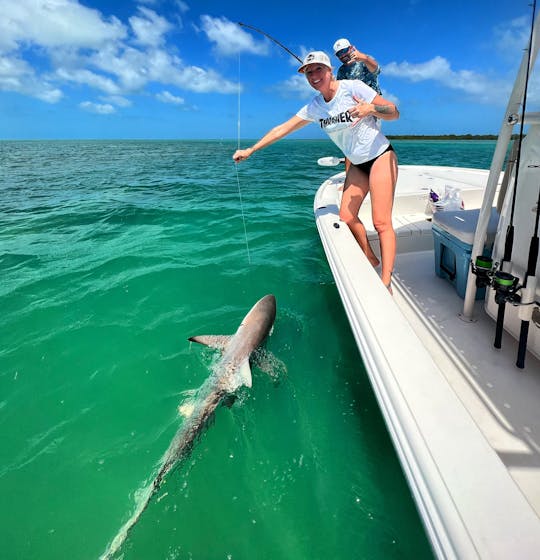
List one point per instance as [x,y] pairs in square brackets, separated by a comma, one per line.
[238,136]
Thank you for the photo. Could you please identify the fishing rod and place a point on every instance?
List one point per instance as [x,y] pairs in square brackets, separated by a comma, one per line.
[529,294]
[502,278]
[271,39]
[529,283]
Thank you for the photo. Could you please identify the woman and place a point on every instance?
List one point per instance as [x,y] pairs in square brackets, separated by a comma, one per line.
[349,112]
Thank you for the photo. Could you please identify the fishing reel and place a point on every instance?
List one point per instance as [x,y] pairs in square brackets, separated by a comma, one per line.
[506,285]
[484,271]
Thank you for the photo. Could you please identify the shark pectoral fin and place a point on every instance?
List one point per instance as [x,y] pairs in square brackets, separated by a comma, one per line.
[219,342]
[242,376]
[245,374]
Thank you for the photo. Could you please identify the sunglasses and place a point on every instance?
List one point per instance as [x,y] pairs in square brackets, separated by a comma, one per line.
[344,53]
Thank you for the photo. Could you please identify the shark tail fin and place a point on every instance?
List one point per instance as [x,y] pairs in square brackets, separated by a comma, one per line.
[219,342]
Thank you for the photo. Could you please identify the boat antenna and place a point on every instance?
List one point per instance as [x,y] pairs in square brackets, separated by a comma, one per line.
[509,241]
[271,39]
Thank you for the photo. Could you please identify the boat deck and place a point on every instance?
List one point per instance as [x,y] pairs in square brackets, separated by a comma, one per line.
[503,400]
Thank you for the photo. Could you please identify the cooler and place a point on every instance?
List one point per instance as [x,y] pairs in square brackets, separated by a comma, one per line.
[453,237]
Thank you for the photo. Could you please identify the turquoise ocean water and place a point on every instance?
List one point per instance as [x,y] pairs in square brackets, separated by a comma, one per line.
[111,255]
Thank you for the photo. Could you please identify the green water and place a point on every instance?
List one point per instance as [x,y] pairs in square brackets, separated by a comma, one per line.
[111,255]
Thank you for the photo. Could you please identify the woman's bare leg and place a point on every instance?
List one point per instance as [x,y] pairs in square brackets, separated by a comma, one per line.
[355,190]
[382,184]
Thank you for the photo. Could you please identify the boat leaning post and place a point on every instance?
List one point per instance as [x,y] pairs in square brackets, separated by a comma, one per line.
[511,117]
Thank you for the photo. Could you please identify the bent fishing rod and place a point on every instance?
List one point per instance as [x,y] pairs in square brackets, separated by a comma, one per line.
[504,276]
[271,39]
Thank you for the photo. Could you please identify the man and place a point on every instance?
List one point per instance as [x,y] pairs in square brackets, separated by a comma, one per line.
[356,65]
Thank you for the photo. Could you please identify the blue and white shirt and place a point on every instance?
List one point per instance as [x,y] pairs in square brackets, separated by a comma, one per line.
[359,140]
[359,71]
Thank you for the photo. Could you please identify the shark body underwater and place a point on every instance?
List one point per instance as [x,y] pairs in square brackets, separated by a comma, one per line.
[230,373]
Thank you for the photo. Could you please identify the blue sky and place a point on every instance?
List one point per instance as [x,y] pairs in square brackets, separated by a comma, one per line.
[185,69]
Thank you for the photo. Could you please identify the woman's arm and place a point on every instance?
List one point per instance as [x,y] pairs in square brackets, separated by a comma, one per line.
[379,107]
[272,136]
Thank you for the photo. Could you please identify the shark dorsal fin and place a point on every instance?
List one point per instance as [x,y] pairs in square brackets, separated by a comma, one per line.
[219,342]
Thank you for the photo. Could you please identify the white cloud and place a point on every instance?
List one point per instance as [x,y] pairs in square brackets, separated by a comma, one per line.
[295,86]
[134,69]
[438,69]
[117,100]
[149,28]
[508,42]
[18,76]
[434,69]
[203,81]
[168,97]
[182,6]
[55,23]
[99,108]
[229,38]
[511,37]
[47,45]
[89,78]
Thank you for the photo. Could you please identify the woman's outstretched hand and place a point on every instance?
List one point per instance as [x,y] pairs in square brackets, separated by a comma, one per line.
[241,155]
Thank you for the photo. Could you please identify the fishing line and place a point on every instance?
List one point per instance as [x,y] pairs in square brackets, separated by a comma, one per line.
[238,125]
[236,167]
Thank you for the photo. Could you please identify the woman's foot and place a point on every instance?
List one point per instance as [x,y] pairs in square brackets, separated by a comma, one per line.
[388,285]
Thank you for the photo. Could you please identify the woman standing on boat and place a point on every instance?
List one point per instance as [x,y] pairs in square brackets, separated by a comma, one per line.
[348,111]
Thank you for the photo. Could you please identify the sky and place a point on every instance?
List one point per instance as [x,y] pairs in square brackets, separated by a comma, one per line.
[185,69]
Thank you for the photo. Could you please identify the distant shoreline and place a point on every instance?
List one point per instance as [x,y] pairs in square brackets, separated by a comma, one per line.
[448,137]
[442,136]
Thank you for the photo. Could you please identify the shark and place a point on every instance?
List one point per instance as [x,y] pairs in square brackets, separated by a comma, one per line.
[231,372]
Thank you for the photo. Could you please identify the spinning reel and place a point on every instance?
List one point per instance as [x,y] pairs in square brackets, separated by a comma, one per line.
[506,285]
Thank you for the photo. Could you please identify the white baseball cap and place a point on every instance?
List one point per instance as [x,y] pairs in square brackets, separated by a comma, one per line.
[315,57]
[341,44]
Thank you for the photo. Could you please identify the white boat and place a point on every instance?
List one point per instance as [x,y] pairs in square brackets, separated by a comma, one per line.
[463,417]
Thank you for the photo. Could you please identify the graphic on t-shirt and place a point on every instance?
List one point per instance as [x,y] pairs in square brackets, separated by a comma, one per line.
[360,140]
[344,117]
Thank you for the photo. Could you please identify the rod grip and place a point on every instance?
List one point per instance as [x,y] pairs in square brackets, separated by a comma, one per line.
[533,257]
[509,243]
[499,326]
[522,348]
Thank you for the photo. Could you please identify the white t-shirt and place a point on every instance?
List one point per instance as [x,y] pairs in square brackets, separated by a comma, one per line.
[360,141]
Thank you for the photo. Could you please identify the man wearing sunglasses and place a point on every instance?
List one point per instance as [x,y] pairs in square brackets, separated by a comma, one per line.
[356,65]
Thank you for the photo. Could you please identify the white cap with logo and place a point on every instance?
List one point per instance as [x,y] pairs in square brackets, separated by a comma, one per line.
[315,57]
[341,44]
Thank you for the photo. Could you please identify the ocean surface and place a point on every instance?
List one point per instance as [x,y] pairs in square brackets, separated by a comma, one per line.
[113,253]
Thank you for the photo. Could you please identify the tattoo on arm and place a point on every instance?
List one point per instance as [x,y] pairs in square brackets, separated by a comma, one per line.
[384,109]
